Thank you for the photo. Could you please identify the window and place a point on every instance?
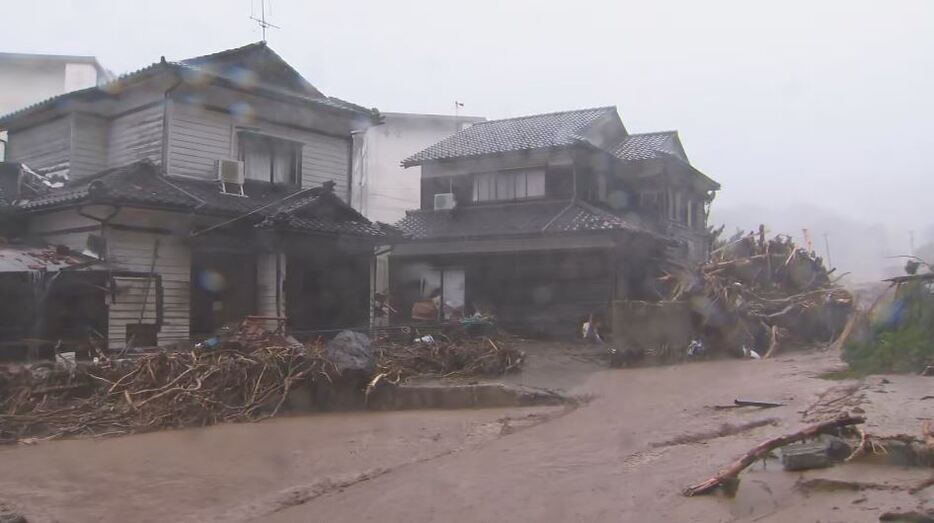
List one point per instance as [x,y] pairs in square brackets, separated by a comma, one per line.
[271,159]
[509,185]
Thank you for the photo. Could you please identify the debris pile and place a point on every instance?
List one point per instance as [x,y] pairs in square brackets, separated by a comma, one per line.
[243,375]
[757,295]
[440,357]
[233,382]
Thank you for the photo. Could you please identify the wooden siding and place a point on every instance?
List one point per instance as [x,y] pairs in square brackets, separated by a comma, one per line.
[136,136]
[266,285]
[198,137]
[132,251]
[44,148]
[129,296]
[89,134]
[325,158]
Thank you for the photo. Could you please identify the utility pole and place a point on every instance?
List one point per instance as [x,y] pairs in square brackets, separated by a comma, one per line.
[911,242]
[261,21]
[827,246]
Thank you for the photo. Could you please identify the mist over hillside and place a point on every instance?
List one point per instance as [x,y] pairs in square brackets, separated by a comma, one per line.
[865,250]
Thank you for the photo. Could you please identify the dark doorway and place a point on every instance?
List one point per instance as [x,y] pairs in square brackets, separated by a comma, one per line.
[328,289]
[223,289]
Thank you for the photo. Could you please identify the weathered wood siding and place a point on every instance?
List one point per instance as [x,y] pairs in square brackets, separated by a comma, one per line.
[133,251]
[89,134]
[45,148]
[198,137]
[136,136]
[325,158]
[266,285]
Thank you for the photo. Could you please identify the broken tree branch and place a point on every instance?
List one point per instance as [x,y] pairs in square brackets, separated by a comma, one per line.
[729,476]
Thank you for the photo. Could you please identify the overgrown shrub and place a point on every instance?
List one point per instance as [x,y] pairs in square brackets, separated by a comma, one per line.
[902,339]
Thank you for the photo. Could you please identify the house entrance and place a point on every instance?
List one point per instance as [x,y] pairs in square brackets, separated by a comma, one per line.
[223,289]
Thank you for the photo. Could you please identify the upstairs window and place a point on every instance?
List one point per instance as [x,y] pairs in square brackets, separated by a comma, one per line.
[271,159]
[521,184]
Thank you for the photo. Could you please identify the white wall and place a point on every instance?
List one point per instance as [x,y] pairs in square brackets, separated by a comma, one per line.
[23,84]
[382,189]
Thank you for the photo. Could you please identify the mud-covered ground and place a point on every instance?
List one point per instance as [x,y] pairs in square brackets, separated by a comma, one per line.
[623,454]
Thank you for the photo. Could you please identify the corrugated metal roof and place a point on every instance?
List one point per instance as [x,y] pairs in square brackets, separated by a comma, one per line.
[33,258]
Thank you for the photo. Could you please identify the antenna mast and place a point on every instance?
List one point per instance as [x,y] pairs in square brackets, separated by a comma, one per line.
[261,21]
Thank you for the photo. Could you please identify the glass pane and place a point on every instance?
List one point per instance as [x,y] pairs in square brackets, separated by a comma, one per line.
[505,187]
[257,160]
[535,184]
[283,164]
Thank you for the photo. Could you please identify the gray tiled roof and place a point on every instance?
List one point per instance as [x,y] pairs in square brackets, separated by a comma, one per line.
[513,134]
[195,69]
[645,146]
[545,217]
[270,204]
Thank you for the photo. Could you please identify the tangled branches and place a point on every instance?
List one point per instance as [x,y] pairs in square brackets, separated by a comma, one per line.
[446,359]
[762,293]
[154,391]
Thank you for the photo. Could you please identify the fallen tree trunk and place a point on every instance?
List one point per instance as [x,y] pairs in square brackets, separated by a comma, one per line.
[728,476]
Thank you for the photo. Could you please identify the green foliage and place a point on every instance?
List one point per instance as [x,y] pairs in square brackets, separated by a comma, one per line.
[901,342]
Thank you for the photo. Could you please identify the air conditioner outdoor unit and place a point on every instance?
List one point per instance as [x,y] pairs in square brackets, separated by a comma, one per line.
[230,172]
[444,201]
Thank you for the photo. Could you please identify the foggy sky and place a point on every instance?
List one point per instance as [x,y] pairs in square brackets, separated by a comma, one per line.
[823,103]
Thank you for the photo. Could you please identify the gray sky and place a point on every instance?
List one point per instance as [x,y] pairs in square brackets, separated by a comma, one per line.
[785,102]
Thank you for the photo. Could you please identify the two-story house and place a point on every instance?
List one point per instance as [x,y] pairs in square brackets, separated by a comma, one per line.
[206,189]
[544,220]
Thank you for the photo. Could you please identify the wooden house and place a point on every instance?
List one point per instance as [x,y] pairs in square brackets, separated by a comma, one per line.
[544,220]
[224,178]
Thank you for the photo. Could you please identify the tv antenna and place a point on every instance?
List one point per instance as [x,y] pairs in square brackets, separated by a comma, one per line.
[261,21]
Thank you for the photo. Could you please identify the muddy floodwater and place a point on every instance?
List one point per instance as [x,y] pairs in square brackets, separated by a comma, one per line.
[623,454]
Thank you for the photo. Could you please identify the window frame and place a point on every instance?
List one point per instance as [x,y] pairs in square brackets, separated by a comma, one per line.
[495,179]
[274,144]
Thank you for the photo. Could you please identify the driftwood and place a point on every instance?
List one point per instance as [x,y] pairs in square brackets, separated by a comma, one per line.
[761,404]
[773,342]
[728,477]
[749,403]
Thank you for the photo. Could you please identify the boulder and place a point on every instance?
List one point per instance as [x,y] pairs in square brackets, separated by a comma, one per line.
[352,352]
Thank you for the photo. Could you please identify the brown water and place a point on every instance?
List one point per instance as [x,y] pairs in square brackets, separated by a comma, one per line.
[600,462]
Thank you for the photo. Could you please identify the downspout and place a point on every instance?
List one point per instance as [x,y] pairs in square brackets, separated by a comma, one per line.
[166,96]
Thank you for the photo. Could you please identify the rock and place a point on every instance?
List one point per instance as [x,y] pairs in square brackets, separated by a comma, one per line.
[804,456]
[837,448]
[352,352]
[823,452]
